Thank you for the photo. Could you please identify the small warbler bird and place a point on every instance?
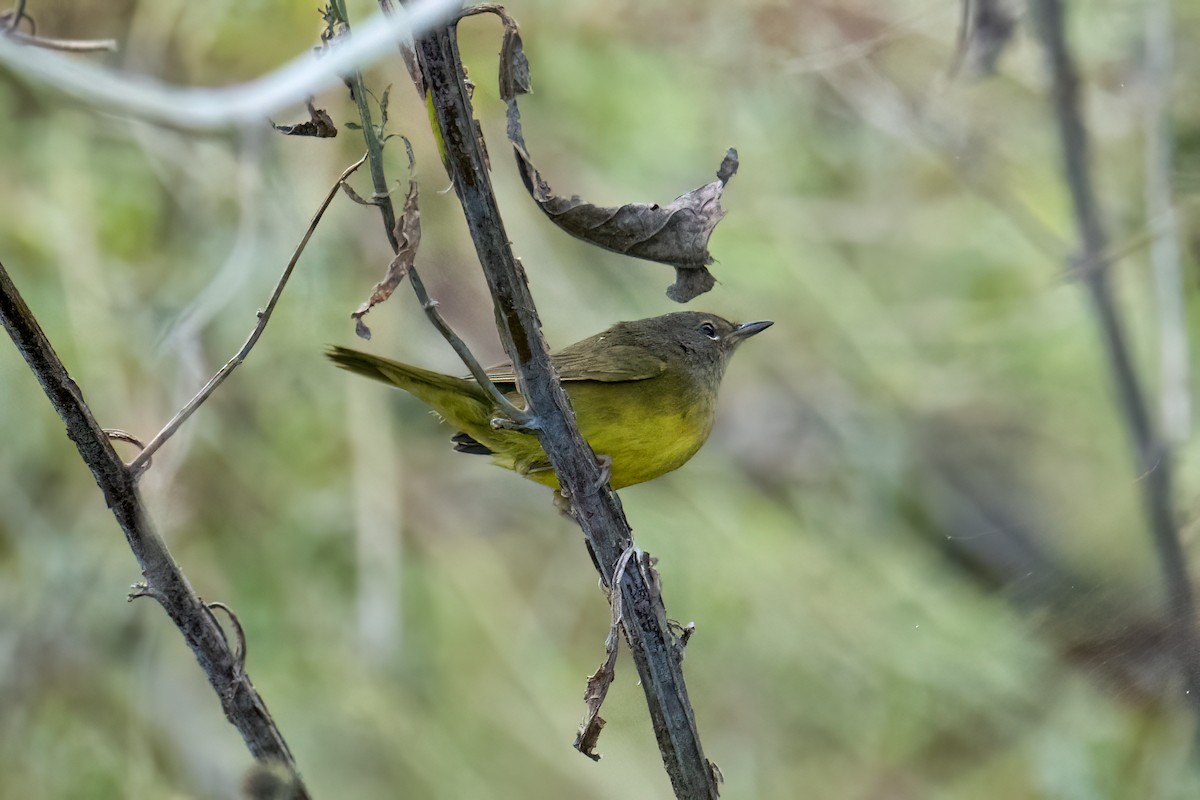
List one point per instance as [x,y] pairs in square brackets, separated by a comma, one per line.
[644,394]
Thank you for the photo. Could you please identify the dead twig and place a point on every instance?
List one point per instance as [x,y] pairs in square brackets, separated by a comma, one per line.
[383,200]
[10,22]
[64,45]
[245,103]
[597,508]
[1151,451]
[164,581]
[239,652]
[1175,400]
[139,464]
[599,681]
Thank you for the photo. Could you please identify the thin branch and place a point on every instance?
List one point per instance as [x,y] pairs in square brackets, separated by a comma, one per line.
[164,581]
[13,18]
[1163,223]
[248,103]
[239,652]
[879,102]
[1152,454]
[383,199]
[596,507]
[139,464]
[882,104]
[65,45]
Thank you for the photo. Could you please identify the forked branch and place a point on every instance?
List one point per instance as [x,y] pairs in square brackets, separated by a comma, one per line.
[1151,451]
[164,581]
[656,652]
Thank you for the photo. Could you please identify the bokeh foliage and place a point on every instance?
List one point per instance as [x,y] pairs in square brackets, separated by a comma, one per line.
[912,549]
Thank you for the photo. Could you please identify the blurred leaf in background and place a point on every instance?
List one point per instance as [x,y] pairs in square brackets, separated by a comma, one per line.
[913,547]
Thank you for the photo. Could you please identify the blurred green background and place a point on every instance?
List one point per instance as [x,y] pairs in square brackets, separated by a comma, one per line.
[912,548]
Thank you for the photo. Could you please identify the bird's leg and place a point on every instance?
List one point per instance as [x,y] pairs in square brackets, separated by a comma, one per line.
[528,424]
[564,505]
[605,463]
[563,502]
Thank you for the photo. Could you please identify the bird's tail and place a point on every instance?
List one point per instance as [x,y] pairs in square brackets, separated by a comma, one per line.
[460,401]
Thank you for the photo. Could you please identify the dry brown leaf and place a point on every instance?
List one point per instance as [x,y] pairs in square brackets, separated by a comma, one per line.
[599,681]
[597,689]
[676,234]
[319,125]
[408,239]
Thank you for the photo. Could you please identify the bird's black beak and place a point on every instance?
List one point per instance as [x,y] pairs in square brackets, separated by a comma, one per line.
[748,329]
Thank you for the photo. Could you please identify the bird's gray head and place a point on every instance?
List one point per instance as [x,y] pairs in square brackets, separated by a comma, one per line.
[704,342]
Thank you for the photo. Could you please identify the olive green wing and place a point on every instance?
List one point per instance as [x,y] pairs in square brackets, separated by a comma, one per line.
[594,360]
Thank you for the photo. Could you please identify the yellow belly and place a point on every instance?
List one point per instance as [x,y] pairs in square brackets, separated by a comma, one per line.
[643,441]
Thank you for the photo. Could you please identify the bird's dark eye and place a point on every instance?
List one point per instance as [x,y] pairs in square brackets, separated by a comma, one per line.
[708,329]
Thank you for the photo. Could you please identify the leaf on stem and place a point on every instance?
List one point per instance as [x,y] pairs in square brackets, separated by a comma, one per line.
[597,689]
[599,681]
[319,125]
[676,234]
[408,239]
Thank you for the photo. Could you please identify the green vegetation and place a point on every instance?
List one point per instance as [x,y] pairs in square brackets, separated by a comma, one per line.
[913,547]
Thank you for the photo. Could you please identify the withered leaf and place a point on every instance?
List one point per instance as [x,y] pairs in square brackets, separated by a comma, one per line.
[599,681]
[348,190]
[409,54]
[676,234]
[597,689]
[514,67]
[408,239]
[319,125]
[383,106]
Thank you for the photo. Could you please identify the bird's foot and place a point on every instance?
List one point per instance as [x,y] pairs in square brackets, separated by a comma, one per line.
[562,500]
[605,463]
[564,505]
[527,423]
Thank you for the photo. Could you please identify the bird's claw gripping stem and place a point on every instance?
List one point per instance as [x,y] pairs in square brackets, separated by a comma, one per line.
[526,423]
[605,463]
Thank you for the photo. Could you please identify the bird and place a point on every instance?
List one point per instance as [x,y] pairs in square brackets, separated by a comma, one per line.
[644,394]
